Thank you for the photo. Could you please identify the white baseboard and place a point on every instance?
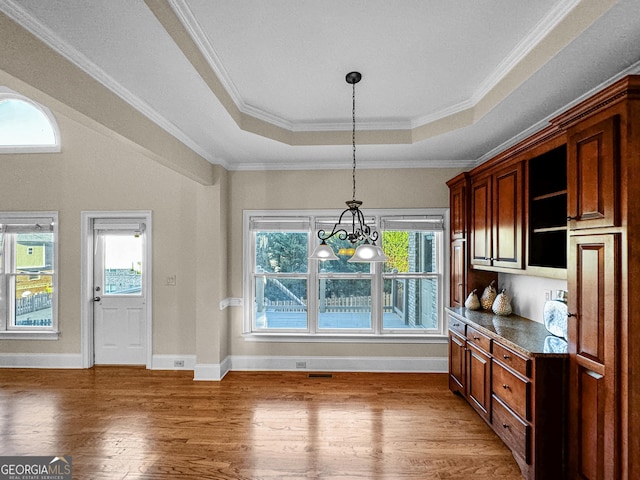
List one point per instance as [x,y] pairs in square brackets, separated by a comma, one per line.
[216,372]
[168,362]
[342,364]
[212,371]
[40,360]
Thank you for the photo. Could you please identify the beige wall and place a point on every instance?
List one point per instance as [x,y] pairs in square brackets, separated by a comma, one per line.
[99,172]
[197,231]
[282,190]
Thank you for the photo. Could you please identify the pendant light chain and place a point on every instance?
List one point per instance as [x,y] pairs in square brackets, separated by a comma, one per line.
[353,137]
[360,233]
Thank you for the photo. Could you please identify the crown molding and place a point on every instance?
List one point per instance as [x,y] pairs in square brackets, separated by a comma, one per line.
[18,14]
[545,26]
[341,165]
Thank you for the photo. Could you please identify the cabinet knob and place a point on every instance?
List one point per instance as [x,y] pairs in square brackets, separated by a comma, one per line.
[504,425]
[505,386]
[505,356]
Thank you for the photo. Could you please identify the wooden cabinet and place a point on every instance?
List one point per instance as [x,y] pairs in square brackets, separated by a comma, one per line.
[497,218]
[457,364]
[602,137]
[521,396]
[478,372]
[463,278]
[603,274]
[593,175]
[470,366]
[593,330]
[458,207]
[458,273]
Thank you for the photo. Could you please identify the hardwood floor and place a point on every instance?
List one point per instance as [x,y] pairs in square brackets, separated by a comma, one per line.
[132,423]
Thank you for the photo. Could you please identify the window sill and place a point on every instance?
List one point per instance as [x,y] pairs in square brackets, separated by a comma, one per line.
[31,335]
[343,338]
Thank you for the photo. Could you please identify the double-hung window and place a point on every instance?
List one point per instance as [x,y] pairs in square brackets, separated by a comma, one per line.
[292,295]
[28,251]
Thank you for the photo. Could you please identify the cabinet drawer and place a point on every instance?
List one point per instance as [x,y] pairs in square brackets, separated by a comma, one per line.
[513,390]
[479,339]
[515,433]
[457,326]
[512,359]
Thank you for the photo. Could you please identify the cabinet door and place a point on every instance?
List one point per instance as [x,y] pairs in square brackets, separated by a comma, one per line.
[507,222]
[456,363]
[457,200]
[479,381]
[480,228]
[593,328]
[458,276]
[592,170]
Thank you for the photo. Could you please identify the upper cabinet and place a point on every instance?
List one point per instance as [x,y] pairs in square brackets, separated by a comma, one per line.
[497,218]
[593,165]
[458,205]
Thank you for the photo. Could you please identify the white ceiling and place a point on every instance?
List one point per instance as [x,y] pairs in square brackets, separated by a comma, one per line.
[251,84]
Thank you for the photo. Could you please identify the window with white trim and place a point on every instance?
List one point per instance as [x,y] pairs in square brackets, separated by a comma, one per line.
[293,295]
[26,126]
[28,275]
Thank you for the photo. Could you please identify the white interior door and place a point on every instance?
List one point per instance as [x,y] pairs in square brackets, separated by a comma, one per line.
[119,306]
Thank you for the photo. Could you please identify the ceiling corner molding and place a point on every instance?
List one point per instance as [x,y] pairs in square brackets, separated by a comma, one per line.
[524,48]
[554,32]
[201,41]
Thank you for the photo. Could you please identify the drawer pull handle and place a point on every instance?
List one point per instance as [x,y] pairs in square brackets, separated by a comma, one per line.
[505,356]
[505,386]
[455,325]
[504,425]
[476,338]
[569,218]
[571,315]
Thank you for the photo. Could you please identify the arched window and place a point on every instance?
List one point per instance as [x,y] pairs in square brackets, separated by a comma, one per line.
[26,126]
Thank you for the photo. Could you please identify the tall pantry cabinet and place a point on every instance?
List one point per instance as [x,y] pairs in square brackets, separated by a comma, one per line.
[603,173]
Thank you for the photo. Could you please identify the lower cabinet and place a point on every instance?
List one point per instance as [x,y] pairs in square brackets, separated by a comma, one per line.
[522,397]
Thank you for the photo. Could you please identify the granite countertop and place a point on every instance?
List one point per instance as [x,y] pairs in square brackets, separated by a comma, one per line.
[519,333]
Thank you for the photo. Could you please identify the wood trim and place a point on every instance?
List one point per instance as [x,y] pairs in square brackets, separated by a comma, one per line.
[625,88]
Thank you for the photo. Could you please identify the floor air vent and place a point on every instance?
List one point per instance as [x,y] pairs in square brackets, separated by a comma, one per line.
[320,375]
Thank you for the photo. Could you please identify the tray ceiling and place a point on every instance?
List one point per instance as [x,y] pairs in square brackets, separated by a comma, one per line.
[250,84]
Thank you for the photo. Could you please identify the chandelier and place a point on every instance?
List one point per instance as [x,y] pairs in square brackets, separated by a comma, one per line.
[359,231]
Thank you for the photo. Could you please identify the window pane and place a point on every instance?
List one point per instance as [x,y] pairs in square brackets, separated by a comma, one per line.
[280,303]
[409,251]
[281,252]
[344,303]
[342,265]
[33,300]
[122,264]
[33,282]
[410,303]
[23,124]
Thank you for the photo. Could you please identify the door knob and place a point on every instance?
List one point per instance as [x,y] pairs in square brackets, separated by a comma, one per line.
[96,299]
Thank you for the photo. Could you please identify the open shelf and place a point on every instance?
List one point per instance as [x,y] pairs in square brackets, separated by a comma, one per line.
[548,209]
